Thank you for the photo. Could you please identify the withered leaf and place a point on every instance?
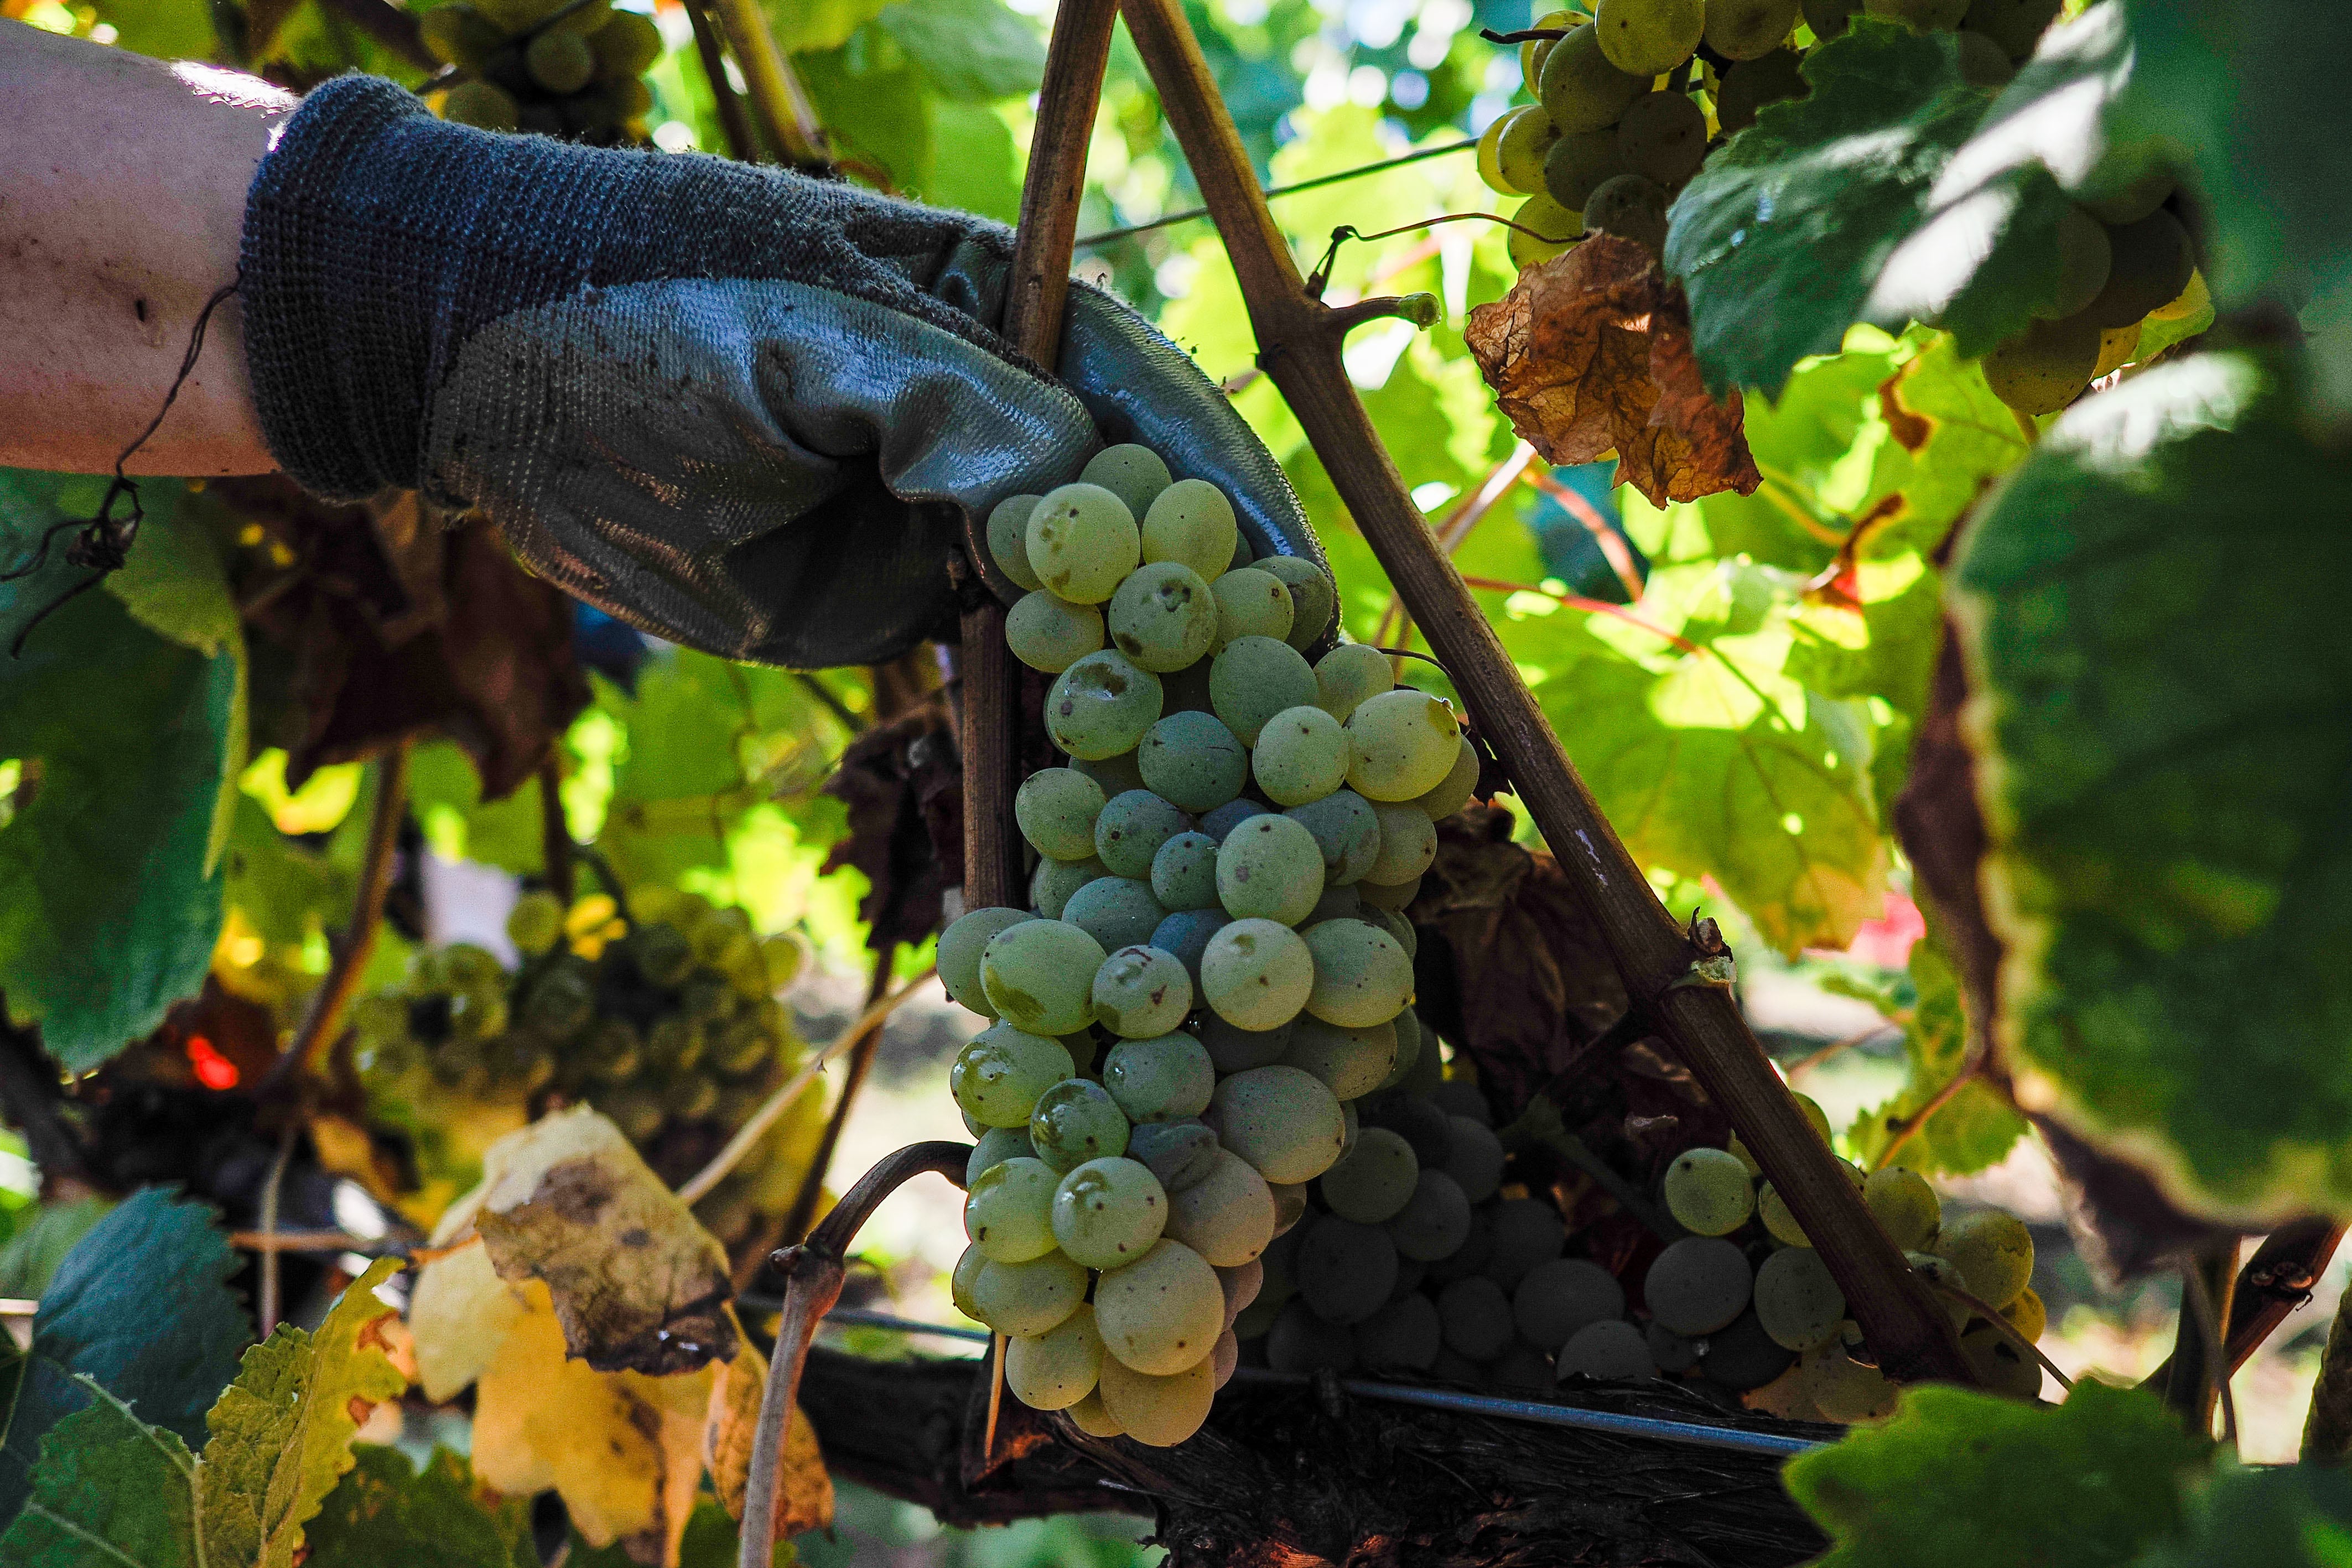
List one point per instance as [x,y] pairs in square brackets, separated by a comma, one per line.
[805,1495]
[903,784]
[1591,352]
[638,1283]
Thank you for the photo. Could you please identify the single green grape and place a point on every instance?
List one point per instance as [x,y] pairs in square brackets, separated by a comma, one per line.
[1130,828]
[1184,873]
[1527,136]
[2044,367]
[1227,1216]
[1535,51]
[1797,1301]
[1698,1285]
[1285,1122]
[1829,18]
[1649,38]
[1314,597]
[1051,633]
[1051,885]
[1405,743]
[1993,1251]
[1373,1179]
[1107,1213]
[1009,1212]
[1490,165]
[560,61]
[1162,1312]
[1101,705]
[1630,207]
[1163,616]
[1179,1154]
[626,45]
[1162,1077]
[1348,675]
[997,1078]
[1582,89]
[1577,164]
[459,35]
[2151,261]
[1008,538]
[1056,809]
[1709,1192]
[1142,992]
[1185,934]
[1117,911]
[1256,975]
[1663,138]
[1192,523]
[1040,976]
[1748,29]
[1361,976]
[1254,677]
[536,922]
[1082,541]
[1270,869]
[1025,1299]
[1250,603]
[1058,1369]
[993,1146]
[1192,760]
[1905,1205]
[1302,756]
[1075,1121]
[1546,229]
[1132,473]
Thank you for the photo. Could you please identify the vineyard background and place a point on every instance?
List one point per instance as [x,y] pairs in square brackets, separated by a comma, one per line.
[1740,679]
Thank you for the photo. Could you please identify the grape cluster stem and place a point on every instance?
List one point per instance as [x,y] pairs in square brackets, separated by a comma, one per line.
[812,1275]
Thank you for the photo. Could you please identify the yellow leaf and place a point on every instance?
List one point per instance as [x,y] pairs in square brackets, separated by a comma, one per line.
[459,1315]
[804,1500]
[636,1282]
[622,1448]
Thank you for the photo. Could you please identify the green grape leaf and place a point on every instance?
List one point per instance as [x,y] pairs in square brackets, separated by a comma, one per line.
[175,586]
[2226,88]
[1961,1475]
[1707,756]
[1894,191]
[2297,1515]
[974,51]
[167,29]
[976,168]
[1781,235]
[385,1513]
[1974,1128]
[281,1434]
[2151,621]
[110,1492]
[869,96]
[286,889]
[130,739]
[42,1241]
[98,1320]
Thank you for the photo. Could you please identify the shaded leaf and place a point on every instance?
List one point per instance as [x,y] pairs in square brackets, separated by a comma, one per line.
[281,1434]
[111,1491]
[98,1323]
[2149,625]
[2085,1483]
[2225,90]
[903,784]
[127,735]
[1591,352]
[2288,1516]
[386,1514]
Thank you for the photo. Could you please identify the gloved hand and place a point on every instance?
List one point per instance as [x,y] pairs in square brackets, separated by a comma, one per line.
[739,408]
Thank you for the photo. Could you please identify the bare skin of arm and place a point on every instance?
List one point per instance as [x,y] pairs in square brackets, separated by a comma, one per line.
[118,218]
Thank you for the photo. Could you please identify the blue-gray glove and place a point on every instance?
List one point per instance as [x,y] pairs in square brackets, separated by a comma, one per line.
[744,410]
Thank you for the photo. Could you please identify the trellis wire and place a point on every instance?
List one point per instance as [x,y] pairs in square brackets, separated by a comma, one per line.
[1650,1426]
[1189,214]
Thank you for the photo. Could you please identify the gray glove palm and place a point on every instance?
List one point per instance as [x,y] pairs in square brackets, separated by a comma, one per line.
[741,409]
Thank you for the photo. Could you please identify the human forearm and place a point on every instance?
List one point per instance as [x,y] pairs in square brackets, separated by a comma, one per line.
[122,183]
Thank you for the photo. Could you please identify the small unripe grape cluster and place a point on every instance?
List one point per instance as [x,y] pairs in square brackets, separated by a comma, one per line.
[667,1022]
[1213,973]
[575,70]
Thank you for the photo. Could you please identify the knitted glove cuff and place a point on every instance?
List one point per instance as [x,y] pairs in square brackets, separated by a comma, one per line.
[378,240]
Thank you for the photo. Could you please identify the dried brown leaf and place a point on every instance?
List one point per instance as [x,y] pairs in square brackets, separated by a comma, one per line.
[804,1499]
[1591,352]
[638,1283]
[903,784]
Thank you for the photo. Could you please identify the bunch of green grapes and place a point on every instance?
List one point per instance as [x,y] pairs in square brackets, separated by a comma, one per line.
[560,68]
[666,1021]
[1213,972]
[1746,1279]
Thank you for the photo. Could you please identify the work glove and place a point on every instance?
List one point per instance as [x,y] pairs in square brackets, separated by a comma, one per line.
[744,410]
